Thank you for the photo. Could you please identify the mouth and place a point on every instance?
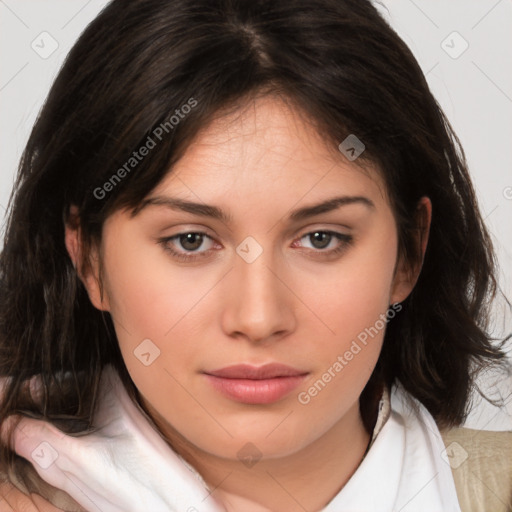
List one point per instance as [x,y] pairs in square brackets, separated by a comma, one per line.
[255,385]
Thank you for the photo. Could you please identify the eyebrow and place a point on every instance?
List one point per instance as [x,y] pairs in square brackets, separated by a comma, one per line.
[215,212]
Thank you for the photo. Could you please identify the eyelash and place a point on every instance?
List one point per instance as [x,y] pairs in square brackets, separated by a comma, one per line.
[346,240]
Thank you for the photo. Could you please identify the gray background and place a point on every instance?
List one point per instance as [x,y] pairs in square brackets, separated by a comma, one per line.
[473,85]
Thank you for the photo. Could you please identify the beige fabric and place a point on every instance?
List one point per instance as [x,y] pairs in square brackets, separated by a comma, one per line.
[481,464]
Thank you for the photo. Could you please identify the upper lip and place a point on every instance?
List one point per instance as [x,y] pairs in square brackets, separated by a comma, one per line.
[246,371]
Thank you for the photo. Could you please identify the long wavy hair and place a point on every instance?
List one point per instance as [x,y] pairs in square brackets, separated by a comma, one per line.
[135,66]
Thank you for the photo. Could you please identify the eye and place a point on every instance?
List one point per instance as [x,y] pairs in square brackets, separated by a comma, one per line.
[333,241]
[190,242]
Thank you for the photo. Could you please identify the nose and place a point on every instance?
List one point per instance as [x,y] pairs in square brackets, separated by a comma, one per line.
[258,304]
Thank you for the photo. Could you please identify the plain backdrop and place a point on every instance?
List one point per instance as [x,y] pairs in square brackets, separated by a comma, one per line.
[463,46]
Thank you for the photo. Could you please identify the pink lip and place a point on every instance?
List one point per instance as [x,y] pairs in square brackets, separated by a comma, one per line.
[256,385]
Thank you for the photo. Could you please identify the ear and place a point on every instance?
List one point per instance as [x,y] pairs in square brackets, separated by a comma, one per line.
[406,274]
[88,272]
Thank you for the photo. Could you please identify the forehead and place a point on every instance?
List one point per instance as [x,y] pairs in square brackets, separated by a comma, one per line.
[267,148]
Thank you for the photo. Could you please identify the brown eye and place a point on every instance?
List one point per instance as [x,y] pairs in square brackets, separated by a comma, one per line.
[184,246]
[321,240]
[324,244]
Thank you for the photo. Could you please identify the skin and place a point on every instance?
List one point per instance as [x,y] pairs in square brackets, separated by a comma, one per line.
[294,304]
[13,500]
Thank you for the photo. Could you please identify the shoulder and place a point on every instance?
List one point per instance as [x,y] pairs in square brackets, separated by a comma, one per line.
[481,462]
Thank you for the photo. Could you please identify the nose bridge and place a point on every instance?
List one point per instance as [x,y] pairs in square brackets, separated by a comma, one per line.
[258,306]
[260,284]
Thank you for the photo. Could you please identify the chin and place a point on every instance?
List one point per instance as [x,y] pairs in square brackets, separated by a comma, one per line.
[257,443]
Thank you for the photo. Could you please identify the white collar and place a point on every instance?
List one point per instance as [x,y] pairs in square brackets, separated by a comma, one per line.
[403,470]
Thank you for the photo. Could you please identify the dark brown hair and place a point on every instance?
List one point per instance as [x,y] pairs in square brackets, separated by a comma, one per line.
[138,62]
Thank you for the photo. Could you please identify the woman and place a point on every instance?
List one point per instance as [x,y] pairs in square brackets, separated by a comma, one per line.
[245,270]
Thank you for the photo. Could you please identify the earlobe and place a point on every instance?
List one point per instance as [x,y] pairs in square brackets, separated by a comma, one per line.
[406,275]
[89,273]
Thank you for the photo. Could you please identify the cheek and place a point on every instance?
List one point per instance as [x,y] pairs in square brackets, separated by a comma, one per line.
[147,293]
[161,312]
[352,295]
[137,293]
[147,298]
[150,303]
[352,302]
[345,359]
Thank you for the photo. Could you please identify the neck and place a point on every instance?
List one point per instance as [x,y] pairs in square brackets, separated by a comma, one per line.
[307,479]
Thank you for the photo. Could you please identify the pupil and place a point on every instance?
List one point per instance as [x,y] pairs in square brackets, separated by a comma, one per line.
[321,235]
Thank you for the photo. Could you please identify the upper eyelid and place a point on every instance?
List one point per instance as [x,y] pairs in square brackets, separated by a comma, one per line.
[207,231]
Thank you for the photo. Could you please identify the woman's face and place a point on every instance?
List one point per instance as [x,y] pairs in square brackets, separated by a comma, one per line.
[258,288]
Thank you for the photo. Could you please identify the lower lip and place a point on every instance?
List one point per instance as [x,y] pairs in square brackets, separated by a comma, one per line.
[249,391]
